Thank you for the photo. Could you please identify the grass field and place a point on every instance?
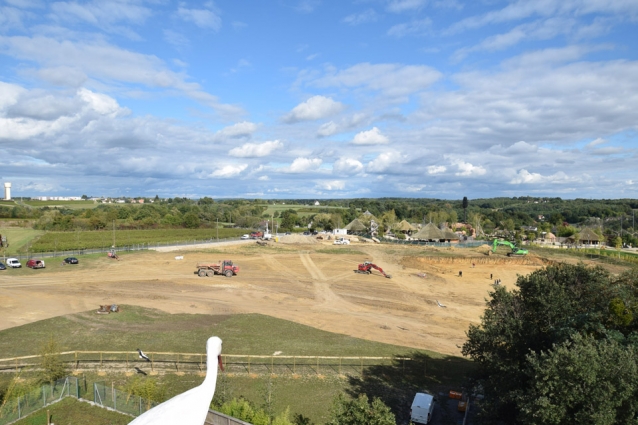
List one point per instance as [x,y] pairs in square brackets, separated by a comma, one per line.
[311,395]
[72,411]
[64,204]
[19,237]
[59,241]
[301,209]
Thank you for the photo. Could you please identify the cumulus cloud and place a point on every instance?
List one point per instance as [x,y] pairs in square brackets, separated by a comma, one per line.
[304,165]
[436,169]
[237,130]
[327,129]
[228,171]
[347,166]
[332,185]
[370,137]
[385,162]
[315,108]
[525,177]
[255,150]
[596,142]
[467,169]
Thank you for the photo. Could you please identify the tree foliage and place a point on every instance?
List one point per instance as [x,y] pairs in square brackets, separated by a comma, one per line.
[360,411]
[552,341]
[51,365]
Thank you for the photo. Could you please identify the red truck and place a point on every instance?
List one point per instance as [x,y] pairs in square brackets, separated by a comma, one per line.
[226,267]
[257,235]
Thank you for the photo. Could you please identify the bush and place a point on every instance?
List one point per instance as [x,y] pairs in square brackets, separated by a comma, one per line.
[360,412]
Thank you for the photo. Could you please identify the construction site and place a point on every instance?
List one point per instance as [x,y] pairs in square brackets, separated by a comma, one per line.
[432,297]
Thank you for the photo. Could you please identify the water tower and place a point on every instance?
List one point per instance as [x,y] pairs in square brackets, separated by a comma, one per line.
[7,191]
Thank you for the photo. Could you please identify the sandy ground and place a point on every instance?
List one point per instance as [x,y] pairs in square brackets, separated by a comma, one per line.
[292,282]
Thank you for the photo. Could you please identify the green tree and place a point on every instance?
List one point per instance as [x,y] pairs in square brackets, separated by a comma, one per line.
[51,365]
[465,205]
[550,308]
[191,220]
[360,411]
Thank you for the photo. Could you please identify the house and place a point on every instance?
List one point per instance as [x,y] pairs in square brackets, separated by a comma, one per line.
[429,233]
[589,237]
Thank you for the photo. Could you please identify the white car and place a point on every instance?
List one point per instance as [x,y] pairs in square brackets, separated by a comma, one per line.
[245,237]
[341,241]
[13,262]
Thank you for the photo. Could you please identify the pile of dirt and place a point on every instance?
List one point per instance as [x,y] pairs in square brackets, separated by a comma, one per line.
[484,249]
[297,239]
[415,262]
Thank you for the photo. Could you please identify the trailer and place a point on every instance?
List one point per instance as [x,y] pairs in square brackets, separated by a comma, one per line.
[225,267]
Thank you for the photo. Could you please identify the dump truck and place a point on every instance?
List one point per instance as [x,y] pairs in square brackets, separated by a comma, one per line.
[225,267]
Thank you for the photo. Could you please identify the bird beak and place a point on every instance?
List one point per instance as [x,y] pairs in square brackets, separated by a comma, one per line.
[220,362]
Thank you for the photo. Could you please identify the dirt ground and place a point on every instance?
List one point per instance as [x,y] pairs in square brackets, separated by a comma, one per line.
[292,282]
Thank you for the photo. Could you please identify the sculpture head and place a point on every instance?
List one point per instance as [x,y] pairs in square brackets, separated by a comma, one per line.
[214,348]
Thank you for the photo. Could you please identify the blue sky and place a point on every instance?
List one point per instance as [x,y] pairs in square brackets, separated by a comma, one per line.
[320,99]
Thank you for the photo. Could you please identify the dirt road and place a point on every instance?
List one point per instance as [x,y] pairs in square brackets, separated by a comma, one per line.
[292,282]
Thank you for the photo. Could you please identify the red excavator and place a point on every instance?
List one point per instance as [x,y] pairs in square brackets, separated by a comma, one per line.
[366,268]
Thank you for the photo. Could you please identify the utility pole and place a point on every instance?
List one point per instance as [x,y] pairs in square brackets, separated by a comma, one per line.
[217,228]
[113,233]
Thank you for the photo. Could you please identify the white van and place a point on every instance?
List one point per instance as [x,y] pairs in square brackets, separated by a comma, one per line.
[13,262]
[422,408]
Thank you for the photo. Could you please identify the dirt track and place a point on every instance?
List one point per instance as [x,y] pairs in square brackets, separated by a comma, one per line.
[293,282]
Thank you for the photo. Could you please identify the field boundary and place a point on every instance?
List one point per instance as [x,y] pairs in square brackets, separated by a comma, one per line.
[163,362]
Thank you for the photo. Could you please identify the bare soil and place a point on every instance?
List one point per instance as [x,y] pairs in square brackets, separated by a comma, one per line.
[292,282]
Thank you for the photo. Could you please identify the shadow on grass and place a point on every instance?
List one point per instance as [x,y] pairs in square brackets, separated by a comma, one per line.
[397,383]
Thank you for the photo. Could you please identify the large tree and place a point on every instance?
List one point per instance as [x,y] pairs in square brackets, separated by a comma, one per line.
[560,330]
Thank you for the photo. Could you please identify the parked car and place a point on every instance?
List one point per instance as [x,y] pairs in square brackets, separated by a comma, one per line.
[245,237]
[34,263]
[341,241]
[71,260]
[2,266]
[14,263]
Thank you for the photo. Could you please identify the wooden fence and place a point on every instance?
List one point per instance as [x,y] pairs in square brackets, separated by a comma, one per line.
[196,362]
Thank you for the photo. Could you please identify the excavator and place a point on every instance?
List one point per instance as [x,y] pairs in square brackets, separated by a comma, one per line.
[515,251]
[367,266]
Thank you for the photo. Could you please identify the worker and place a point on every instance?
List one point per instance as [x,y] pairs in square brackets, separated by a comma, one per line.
[490,276]
[460,273]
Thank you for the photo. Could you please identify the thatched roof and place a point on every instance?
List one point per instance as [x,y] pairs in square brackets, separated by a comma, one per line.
[429,232]
[368,216]
[448,234]
[404,226]
[356,226]
[588,235]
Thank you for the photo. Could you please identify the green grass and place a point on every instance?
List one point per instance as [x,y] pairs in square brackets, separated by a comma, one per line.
[63,204]
[301,210]
[311,395]
[59,241]
[19,237]
[72,411]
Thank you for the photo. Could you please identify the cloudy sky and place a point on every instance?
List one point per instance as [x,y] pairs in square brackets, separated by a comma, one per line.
[320,98]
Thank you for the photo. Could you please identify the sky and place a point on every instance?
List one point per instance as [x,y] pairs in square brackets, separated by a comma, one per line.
[320,99]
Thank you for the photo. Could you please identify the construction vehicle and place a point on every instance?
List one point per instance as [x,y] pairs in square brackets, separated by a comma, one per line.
[366,268]
[225,267]
[256,235]
[515,251]
[112,254]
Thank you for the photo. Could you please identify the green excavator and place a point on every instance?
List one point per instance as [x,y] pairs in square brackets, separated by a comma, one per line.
[515,251]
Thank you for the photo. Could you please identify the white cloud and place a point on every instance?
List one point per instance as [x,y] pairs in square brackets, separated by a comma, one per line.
[237,130]
[263,178]
[315,108]
[525,177]
[386,161]
[108,64]
[370,137]
[307,6]
[389,79]
[418,28]
[398,6]
[332,185]
[361,18]
[436,169]
[228,171]
[347,166]
[467,169]
[203,18]
[327,129]
[254,150]
[598,141]
[303,165]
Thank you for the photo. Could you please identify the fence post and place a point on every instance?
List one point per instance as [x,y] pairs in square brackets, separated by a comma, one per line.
[44,397]
[339,365]
[19,411]
[249,364]
[294,364]
[317,365]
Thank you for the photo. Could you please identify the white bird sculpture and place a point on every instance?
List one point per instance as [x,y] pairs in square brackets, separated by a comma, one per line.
[191,407]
